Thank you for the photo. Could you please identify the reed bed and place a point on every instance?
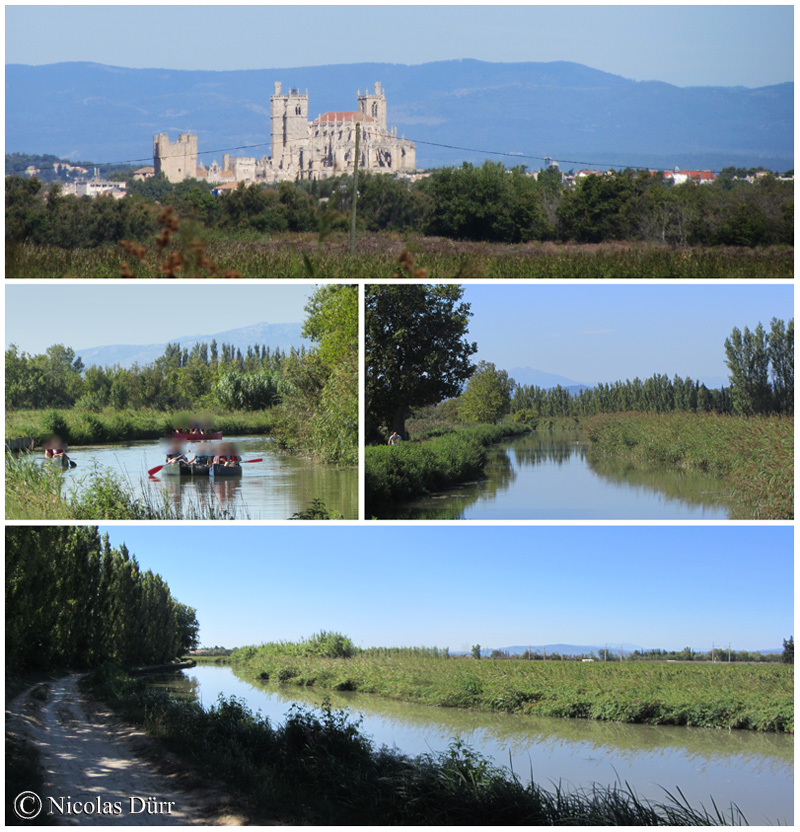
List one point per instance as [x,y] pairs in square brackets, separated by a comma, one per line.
[756,697]
[378,254]
[109,425]
[34,492]
[754,455]
[317,767]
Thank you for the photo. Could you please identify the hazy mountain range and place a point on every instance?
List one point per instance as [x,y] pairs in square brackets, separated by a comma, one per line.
[613,649]
[577,115]
[529,376]
[274,336]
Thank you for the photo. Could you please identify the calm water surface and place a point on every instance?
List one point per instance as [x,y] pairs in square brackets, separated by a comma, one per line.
[755,771]
[273,489]
[545,476]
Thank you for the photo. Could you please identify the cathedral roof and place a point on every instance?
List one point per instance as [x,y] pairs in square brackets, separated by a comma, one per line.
[335,115]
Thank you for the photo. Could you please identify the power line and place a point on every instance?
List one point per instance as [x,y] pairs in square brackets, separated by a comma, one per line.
[524,156]
[604,165]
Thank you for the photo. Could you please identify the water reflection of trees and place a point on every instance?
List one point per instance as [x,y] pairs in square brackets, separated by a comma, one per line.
[688,487]
[506,462]
[528,452]
[549,450]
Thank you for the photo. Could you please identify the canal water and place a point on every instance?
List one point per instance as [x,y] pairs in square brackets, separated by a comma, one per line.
[273,489]
[545,476]
[753,770]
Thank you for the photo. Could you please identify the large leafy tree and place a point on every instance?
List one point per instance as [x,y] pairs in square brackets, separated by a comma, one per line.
[488,395]
[320,389]
[416,350]
[332,321]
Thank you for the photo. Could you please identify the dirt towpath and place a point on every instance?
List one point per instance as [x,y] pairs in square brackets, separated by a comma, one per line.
[100,771]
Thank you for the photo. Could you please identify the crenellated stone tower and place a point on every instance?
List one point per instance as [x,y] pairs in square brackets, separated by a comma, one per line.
[176,160]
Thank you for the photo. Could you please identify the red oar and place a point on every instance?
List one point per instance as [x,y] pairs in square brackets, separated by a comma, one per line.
[153,471]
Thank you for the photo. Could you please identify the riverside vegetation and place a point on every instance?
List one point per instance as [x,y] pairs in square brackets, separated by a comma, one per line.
[743,434]
[318,768]
[483,221]
[754,456]
[758,697]
[306,400]
[105,615]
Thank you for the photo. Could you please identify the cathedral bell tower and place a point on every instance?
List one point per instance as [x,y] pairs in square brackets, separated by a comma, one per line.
[374,105]
[288,123]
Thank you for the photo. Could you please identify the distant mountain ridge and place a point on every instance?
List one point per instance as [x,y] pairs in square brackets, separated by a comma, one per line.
[577,115]
[539,378]
[275,336]
[597,649]
[547,381]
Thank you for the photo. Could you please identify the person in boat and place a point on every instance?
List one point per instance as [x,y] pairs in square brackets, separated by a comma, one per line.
[53,449]
[201,457]
[175,453]
[227,457]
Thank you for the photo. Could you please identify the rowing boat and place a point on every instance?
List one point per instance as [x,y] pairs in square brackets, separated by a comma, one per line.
[217,470]
[184,469]
[195,437]
[62,461]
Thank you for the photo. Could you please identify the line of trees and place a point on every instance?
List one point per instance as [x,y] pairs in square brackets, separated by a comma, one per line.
[73,601]
[761,366]
[314,392]
[487,202]
[205,375]
[657,394]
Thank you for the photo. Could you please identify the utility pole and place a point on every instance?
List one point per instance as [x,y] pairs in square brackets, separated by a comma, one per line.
[355,195]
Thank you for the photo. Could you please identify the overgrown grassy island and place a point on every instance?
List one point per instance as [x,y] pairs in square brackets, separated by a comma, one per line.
[758,697]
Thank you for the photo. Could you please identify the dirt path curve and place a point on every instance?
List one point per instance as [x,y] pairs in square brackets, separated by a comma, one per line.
[100,770]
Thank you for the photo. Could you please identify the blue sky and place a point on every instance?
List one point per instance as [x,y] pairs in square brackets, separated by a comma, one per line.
[139,312]
[586,332]
[456,586]
[605,332]
[683,45]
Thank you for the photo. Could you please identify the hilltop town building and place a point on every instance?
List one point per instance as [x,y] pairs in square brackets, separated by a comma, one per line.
[301,149]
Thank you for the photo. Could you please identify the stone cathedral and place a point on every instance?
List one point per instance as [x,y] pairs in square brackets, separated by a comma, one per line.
[301,149]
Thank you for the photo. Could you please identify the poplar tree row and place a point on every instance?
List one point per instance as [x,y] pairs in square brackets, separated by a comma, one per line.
[761,365]
[73,601]
[657,394]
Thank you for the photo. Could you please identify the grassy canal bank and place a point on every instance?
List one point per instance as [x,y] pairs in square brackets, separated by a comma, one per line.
[757,697]
[318,768]
[410,469]
[78,426]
